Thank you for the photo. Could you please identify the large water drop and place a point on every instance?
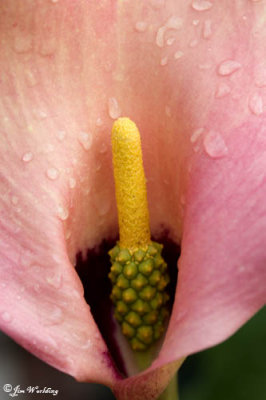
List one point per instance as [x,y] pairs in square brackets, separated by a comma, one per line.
[214,145]
[228,67]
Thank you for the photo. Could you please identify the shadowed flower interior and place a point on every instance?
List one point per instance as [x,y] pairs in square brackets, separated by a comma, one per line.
[191,74]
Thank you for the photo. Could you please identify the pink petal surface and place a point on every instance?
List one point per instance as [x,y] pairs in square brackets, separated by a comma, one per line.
[191,76]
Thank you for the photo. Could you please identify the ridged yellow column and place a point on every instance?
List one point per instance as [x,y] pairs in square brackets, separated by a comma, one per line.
[130,185]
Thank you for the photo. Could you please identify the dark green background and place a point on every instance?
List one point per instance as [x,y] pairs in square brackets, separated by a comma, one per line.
[233,370]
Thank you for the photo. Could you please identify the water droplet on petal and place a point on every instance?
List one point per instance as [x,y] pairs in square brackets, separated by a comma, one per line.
[196,134]
[40,114]
[68,234]
[6,316]
[222,90]
[164,61]
[170,41]
[52,173]
[228,67]
[72,183]
[62,213]
[85,139]
[207,29]
[54,316]
[195,22]
[98,166]
[54,1]
[178,54]
[256,104]
[99,122]
[113,108]
[103,148]
[141,26]
[60,135]
[102,203]
[87,344]
[27,157]
[54,280]
[160,37]
[214,145]
[173,22]
[201,5]
[36,287]
[87,190]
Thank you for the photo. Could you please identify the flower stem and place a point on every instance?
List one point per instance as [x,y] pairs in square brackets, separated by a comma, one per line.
[171,392]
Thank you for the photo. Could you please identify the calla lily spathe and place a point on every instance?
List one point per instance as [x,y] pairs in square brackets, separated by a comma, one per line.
[191,74]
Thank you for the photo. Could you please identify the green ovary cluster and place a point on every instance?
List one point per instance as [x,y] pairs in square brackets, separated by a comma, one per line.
[139,280]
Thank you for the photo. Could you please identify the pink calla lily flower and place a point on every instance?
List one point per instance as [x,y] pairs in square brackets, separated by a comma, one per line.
[192,75]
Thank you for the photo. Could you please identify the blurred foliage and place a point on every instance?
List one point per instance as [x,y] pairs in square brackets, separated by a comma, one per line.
[233,370]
